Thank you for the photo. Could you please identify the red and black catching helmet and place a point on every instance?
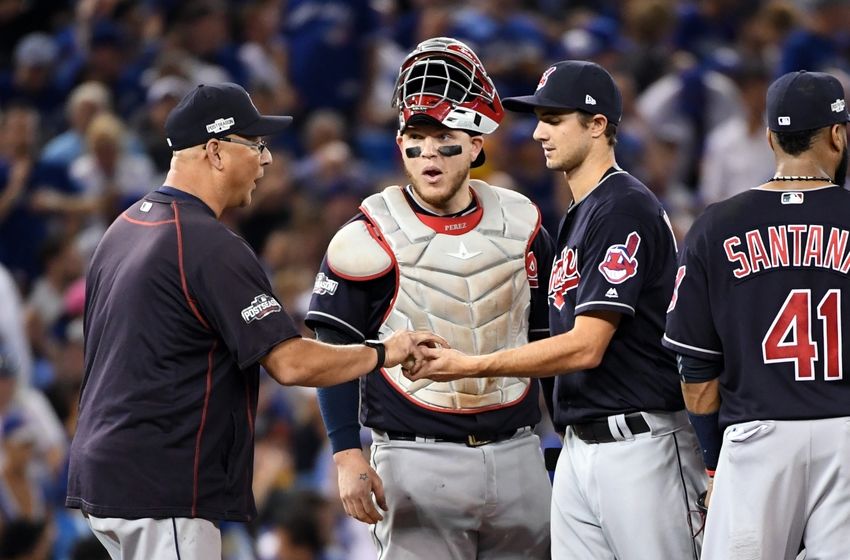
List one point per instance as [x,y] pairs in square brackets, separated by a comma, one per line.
[444,80]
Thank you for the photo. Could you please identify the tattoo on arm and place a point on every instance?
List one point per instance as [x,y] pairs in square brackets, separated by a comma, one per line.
[364,476]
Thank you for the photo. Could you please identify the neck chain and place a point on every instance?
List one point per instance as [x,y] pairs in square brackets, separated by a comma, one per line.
[798,178]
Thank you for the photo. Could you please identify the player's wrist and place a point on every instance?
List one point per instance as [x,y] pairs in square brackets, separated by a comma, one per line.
[381,351]
[347,455]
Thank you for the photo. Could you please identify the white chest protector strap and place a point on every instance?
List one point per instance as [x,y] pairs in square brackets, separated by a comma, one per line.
[470,288]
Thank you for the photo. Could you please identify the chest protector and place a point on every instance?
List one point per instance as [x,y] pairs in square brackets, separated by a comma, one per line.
[471,288]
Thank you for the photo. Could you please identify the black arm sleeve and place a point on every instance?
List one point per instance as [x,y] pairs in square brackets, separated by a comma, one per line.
[340,404]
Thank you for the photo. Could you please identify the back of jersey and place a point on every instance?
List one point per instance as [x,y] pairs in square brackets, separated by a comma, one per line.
[763,286]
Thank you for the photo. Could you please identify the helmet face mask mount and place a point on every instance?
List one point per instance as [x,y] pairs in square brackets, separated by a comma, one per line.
[443,80]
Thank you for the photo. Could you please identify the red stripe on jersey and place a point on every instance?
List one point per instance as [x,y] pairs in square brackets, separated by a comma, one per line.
[183,283]
[200,435]
[141,223]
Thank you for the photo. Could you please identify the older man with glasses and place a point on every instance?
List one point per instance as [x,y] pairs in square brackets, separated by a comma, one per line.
[179,317]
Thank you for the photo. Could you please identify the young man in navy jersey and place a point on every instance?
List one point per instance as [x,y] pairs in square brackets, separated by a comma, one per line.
[179,317]
[757,318]
[630,472]
[455,466]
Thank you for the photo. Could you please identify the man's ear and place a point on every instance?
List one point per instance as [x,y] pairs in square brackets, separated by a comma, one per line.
[769,138]
[477,145]
[212,150]
[598,125]
[838,137]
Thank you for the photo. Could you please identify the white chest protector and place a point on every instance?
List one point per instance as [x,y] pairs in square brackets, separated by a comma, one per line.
[471,288]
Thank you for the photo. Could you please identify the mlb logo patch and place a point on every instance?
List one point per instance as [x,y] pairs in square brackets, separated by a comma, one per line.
[784,121]
[792,198]
[620,262]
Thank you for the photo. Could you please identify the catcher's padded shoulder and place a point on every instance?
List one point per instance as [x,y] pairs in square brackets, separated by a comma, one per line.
[355,254]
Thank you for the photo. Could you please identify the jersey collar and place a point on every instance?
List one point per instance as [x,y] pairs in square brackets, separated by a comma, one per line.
[453,224]
[183,196]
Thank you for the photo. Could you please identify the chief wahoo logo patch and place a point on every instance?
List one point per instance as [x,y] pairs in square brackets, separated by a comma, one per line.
[620,261]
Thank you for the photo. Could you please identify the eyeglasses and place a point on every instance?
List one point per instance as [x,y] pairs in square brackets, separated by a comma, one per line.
[259,145]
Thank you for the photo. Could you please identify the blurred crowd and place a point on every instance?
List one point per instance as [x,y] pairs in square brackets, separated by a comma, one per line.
[85,88]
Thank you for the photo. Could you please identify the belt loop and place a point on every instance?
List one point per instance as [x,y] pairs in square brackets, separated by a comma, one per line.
[624,427]
[613,427]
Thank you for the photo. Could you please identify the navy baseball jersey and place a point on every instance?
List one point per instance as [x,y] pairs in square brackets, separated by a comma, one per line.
[339,303]
[779,262]
[178,313]
[616,252]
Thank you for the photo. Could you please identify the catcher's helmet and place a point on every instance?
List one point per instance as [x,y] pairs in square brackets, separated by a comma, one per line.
[444,80]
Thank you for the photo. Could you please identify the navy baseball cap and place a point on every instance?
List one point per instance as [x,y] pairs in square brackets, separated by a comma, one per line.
[805,101]
[573,84]
[216,110]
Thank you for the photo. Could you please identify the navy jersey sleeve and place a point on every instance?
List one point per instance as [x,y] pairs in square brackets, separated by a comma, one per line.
[539,266]
[353,306]
[613,265]
[233,294]
[690,326]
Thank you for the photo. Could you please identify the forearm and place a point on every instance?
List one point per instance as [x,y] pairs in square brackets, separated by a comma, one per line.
[339,404]
[703,403]
[579,349]
[300,361]
[564,353]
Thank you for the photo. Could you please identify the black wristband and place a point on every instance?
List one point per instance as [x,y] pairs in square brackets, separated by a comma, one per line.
[380,349]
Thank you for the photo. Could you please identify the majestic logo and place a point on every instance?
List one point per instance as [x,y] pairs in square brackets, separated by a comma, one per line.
[531,270]
[612,293]
[565,276]
[545,77]
[620,262]
[261,306]
[324,285]
[146,207]
[220,125]
[588,100]
[837,106]
[784,121]
[792,198]
[463,253]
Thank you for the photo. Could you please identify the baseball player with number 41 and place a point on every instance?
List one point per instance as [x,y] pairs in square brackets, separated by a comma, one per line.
[757,317]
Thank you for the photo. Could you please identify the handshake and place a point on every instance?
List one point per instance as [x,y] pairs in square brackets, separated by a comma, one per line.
[425,355]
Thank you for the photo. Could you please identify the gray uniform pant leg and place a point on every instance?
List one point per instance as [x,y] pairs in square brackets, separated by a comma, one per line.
[632,499]
[173,538]
[778,483]
[454,502]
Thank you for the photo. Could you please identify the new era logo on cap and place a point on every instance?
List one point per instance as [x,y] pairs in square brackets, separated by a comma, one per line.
[589,100]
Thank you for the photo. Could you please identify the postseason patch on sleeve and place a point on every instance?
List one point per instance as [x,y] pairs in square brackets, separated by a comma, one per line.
[261,306]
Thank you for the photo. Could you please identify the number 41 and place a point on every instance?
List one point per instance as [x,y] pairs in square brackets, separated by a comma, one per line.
[793,320]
